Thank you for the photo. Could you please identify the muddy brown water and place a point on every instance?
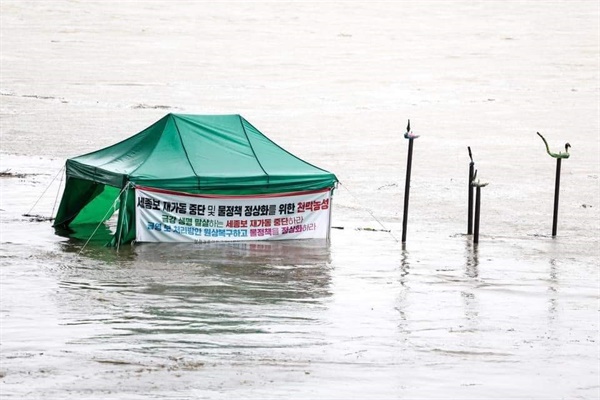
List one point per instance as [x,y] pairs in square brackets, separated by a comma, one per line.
[362,316]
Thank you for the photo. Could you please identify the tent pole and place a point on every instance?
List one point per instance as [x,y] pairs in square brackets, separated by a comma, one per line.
[122,217]
[329,222]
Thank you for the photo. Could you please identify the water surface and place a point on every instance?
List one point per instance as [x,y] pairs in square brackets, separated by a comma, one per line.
[362,316]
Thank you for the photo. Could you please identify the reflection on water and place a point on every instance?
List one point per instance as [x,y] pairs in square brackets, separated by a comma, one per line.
[470,307]
[403,289]
[470,303]
[553,285]
[211,295]
[404,264]
[472,254]
[294,252]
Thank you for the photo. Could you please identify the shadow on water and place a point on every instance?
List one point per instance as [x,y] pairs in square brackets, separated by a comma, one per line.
[177,294]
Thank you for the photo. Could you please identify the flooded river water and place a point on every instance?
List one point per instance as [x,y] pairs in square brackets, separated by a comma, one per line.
[363,316]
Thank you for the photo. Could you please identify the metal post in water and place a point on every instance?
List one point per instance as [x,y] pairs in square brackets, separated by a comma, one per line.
[470,205]
[559,156]
[478,185]
[477,214]
[407,189]
[410,136]
[556,193]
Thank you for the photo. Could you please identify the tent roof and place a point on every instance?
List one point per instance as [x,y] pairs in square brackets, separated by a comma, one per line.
[201,153]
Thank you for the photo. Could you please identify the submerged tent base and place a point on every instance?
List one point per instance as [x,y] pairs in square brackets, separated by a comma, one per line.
[97,233]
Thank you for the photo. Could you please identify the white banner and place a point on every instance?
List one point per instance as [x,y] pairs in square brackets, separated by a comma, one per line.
[166,216]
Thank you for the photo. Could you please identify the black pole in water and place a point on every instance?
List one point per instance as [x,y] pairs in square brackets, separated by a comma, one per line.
[559,156]
[470,206]
[556,192]
[410,136]
[407,189]
[477,214]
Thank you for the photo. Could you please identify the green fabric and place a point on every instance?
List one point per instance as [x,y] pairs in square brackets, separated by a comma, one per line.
[100,209]
[218,154]
[77,194]
[96,234]
[126,223]
[211,154]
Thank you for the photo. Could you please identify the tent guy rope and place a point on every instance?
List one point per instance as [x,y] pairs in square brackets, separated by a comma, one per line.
[28,213]
[385,229]
[57,193]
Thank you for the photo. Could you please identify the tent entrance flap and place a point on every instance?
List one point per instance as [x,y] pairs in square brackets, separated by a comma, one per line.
[100,209]
[85,208]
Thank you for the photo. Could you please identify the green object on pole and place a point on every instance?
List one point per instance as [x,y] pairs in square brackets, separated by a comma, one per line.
[560,154]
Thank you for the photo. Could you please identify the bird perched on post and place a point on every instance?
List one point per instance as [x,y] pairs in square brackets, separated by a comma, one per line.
[409,134]
[559,154]
[477,183]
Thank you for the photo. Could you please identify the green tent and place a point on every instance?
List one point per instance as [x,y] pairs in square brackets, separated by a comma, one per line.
[207,154]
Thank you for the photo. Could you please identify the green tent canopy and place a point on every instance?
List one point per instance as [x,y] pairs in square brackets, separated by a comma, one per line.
[207,154]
